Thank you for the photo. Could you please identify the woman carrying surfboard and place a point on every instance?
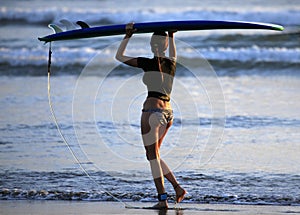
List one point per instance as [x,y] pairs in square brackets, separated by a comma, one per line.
[157,114]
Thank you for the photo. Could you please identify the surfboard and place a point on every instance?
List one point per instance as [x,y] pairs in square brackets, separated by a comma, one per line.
[149,27]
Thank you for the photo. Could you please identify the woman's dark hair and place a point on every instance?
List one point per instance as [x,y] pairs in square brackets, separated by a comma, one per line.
[160,33]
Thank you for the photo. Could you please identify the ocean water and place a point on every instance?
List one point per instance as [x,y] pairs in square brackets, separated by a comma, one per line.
[236,133]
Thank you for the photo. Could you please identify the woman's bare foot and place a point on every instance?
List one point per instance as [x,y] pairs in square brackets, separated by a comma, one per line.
[161,205]
[180,193]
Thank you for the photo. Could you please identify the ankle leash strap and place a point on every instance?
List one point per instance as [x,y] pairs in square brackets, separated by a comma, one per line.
[162,197]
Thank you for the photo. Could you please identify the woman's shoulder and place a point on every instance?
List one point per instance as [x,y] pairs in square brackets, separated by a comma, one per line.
[171,59]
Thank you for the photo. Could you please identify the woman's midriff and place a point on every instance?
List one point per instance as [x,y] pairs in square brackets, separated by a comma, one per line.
[152,103]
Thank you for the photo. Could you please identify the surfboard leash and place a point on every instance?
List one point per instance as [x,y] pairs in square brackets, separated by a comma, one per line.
[126,205]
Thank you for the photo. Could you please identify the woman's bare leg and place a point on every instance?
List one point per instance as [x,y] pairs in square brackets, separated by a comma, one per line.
[150,134]
[180,192]
[156,169]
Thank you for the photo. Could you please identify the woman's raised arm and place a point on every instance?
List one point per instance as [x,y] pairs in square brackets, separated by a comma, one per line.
[120,56]
[172,46]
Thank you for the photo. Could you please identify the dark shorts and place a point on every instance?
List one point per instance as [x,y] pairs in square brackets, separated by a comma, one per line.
[164,116]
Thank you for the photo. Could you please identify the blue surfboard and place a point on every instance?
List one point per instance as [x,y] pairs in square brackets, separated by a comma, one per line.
[148,27]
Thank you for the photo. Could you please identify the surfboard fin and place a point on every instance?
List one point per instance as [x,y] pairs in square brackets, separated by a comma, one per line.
[69,25]
[55,28]
[82,24]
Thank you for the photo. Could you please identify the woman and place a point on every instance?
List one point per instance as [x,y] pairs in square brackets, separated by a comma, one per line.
[157,114]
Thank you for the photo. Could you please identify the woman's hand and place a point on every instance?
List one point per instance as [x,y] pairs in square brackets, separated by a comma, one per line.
[171,33]
[130,30]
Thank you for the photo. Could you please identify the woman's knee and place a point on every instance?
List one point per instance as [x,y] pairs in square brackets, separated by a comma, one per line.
[152,152]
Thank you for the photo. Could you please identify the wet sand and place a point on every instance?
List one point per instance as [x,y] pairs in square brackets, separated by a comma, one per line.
[81,207]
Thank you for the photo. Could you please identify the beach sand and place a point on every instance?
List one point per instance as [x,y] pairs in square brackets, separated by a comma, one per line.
[87,207]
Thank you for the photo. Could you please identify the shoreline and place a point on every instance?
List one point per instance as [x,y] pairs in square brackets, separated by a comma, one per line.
[49,207]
